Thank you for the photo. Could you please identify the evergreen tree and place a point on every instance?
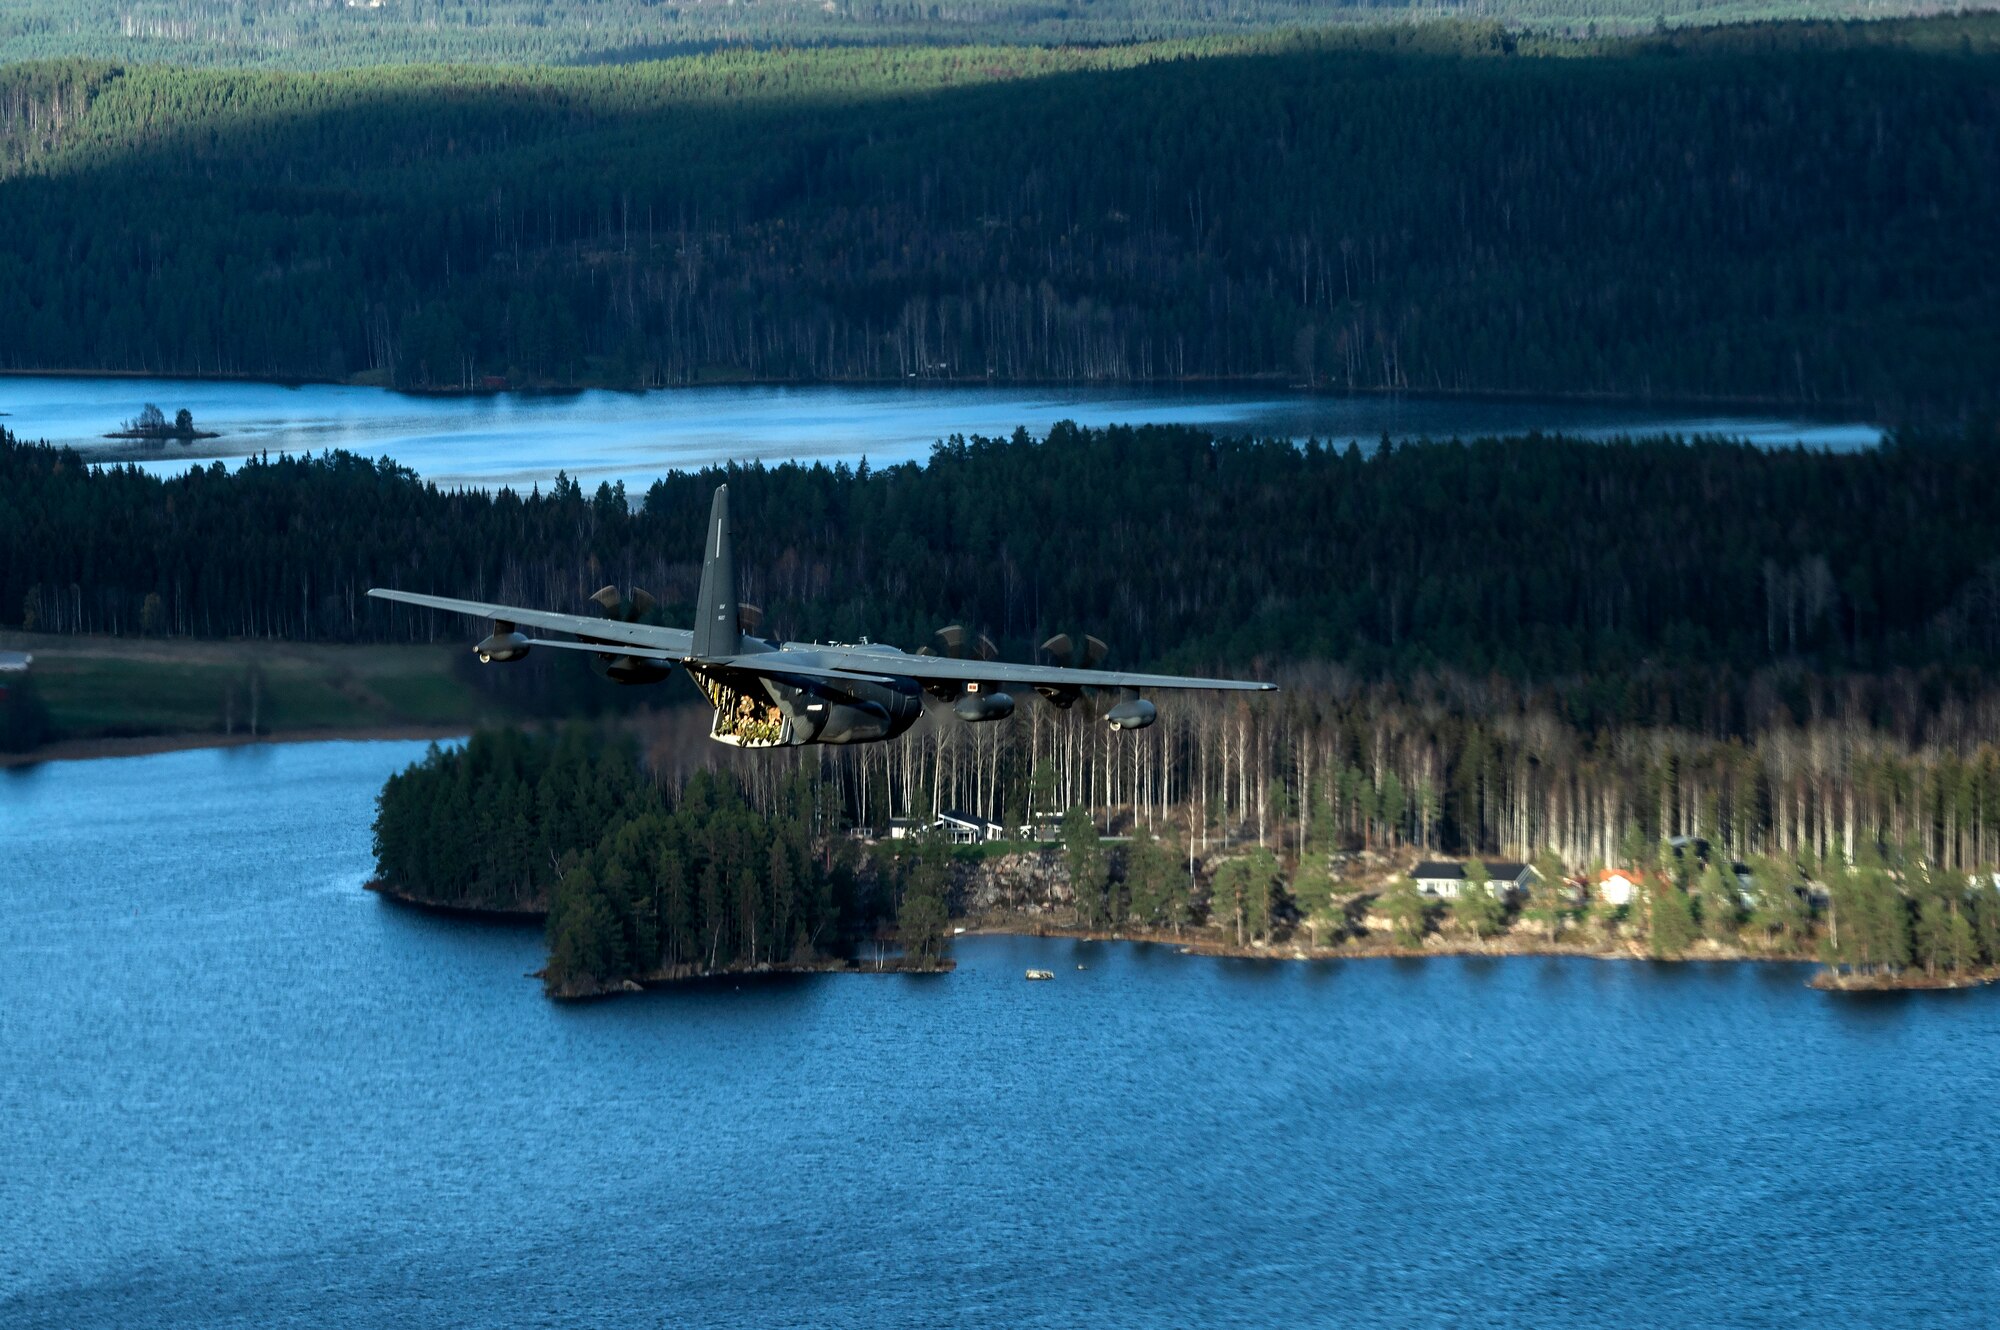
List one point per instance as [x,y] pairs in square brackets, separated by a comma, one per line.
[1083,855]
[1673,928]
[1407,912]
[1781,913]
[1315,890]
[1477,910]
[922,923]
[1720,901]
[586,949]
[1260,881]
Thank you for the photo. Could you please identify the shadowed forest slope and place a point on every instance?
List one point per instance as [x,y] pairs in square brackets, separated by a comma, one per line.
[1784,213]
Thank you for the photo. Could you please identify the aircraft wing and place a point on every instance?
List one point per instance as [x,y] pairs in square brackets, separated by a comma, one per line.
[672,643]
[861,661]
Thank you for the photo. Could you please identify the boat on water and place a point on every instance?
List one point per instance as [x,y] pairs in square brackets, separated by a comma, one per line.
[1041,974]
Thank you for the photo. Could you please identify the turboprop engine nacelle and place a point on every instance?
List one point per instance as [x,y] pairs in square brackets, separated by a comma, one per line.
[1136,714]
[974,708]
[503,645]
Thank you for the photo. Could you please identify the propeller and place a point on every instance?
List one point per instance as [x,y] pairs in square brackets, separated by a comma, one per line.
[1065,651]
[1062,650]
[625,609]
[953,643]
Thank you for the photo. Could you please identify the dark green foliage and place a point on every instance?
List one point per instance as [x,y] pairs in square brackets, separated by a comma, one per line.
[488,824]
[1798,214]
[1672,923]
[1477,910]
[1156,881]
[922,920]
[1260,888]
[1782,914]
[1089,875]
[1720,904]
[635,881]
[1869,918]
[1407,911]
[1313,890]
[1709,558]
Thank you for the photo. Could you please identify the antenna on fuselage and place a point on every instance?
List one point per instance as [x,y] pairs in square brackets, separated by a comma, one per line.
[717,630]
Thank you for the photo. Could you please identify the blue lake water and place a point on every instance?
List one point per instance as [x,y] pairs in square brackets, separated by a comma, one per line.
[237,1090]
[520,439]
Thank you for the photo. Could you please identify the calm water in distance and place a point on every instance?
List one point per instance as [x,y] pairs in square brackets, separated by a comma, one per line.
[521,439]
[237,1090]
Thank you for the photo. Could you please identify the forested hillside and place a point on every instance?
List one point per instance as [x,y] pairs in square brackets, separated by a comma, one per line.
[314,34]
[1797,213]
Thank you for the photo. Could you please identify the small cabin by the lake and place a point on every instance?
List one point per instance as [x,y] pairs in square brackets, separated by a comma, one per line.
[1619,886]
[956,826]
[1443,878]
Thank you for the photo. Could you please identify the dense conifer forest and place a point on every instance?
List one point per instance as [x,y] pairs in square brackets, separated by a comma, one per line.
[639,879]
[1795,212]
[1537,558]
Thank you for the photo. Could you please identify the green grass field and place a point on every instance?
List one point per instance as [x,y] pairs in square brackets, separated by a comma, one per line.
[119,687]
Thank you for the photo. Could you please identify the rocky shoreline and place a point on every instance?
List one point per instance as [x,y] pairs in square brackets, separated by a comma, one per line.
[1035,887]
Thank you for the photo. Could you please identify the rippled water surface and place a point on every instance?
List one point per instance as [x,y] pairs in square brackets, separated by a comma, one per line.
[237,1090]
[521,439]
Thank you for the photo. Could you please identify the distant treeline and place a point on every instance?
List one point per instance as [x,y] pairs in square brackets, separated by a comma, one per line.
[1798,213]
[638,880]
[1535,557]
[318,34]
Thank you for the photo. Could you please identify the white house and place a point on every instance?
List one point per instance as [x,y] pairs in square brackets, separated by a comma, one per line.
[1619,886]
[1442,877]
[959,828]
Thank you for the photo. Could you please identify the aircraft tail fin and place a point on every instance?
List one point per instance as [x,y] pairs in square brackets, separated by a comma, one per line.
[716,628]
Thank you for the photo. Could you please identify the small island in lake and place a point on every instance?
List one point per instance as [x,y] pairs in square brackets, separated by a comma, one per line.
[152,423]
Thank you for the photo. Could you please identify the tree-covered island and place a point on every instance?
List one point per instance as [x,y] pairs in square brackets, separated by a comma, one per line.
[152,423]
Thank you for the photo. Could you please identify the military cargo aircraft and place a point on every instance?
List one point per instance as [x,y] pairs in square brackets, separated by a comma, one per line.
[771,694]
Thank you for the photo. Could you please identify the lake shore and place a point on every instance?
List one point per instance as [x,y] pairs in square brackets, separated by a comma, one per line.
[1196,943]
[145,745]
[1511,944]
[1818,407]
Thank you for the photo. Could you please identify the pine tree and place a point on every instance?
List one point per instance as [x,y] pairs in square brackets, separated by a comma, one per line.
[921,918]
[1260,880]
[1673,925]
[1720,903]
[1407,912]
[1313,887]
[1228,887]
[1477,910]
[1083,855]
